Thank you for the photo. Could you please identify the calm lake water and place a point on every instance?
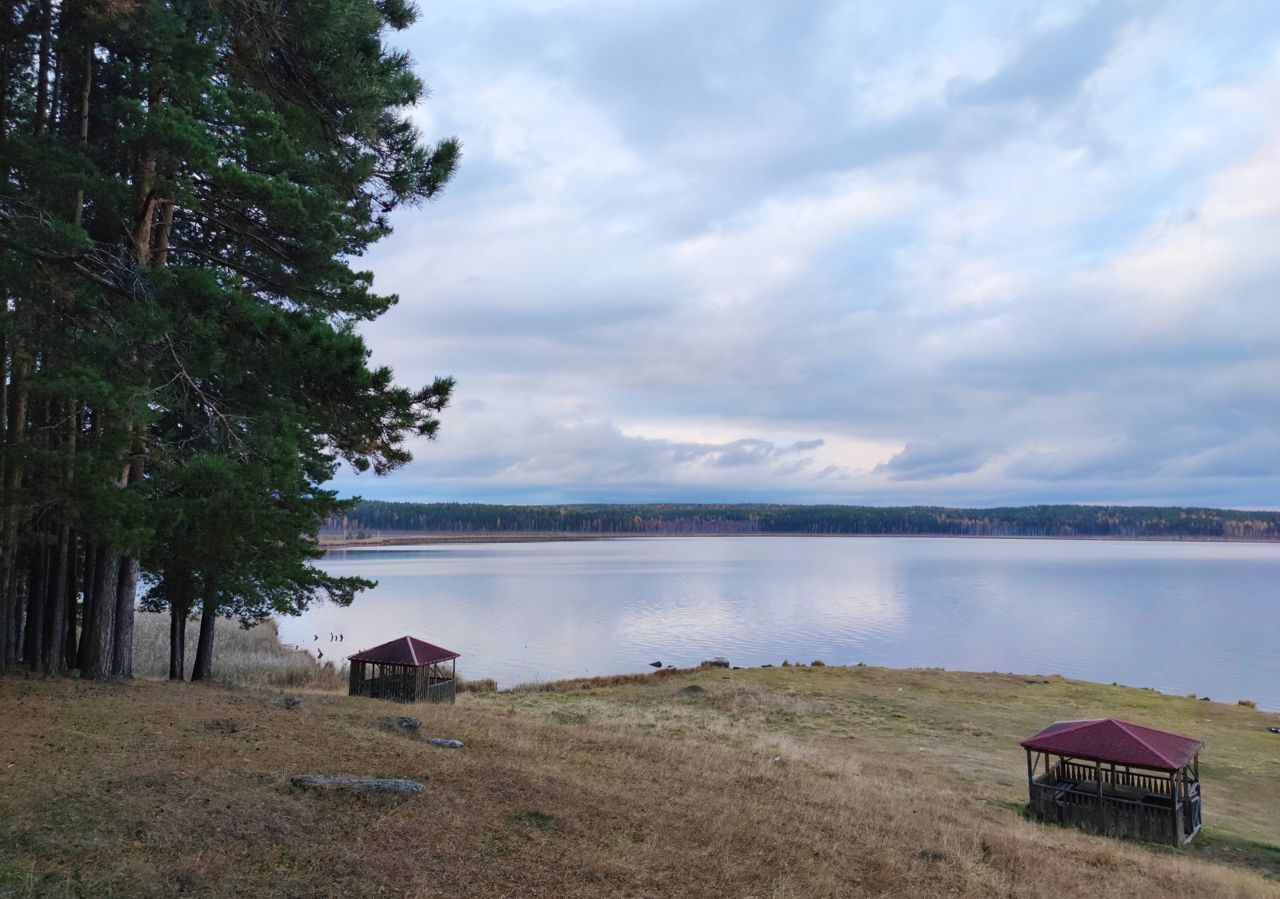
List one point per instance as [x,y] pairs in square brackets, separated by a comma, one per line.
[1179,617]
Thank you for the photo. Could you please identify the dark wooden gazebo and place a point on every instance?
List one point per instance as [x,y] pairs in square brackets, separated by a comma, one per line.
[1116,778]
[406,670]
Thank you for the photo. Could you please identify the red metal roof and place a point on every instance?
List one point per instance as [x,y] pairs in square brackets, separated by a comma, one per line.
[405,651]
[1120,742]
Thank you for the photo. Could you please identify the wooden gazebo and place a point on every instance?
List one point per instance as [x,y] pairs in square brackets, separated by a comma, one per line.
[1116,778]
[406,670]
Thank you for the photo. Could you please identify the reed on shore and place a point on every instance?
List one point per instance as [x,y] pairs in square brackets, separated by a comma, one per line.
[242,657]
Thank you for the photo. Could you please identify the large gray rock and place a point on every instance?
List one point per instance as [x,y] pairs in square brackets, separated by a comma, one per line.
[360,786]
[717,662]
[444,743]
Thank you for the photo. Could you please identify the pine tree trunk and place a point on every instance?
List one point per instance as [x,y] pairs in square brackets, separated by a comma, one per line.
[100,634]
[86,87]
[127,590]
[42,70]
[22,577]
[5,499]
[126,596]
[92,554]
[203,669]
[6,568]
[6,576]
[178,640]
[61,575]
[55,655]
[72,645]
[10,566]
[37,590]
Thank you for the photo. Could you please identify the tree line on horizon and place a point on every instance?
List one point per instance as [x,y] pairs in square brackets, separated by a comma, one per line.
[184,186]
[370,516]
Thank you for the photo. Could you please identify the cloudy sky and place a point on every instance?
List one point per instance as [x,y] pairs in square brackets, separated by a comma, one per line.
[908,252]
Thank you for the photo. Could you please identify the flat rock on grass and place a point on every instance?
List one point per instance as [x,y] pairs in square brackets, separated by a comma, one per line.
[402,723]
[359,786]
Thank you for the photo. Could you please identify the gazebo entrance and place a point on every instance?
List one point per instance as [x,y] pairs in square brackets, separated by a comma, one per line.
[1117,778]
[405,670]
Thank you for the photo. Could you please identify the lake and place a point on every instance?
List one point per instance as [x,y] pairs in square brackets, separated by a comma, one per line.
[1179,617]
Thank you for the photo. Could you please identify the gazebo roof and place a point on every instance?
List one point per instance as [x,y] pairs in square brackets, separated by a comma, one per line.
[1119,742]
[405,651]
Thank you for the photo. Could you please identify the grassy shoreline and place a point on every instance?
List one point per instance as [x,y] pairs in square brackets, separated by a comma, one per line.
[887,782]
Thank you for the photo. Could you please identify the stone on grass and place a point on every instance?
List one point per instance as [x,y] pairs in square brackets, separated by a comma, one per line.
[446,744]
[291,702]
[359,786]
[407,723]
[717,662]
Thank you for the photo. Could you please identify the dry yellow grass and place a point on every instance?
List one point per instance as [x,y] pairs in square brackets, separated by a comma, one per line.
[241,658]
[890,783]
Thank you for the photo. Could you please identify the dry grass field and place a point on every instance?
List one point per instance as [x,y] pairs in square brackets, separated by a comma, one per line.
[887,783]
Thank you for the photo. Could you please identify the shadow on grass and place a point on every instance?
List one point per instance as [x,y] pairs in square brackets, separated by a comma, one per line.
[1208,845]
[1212,845]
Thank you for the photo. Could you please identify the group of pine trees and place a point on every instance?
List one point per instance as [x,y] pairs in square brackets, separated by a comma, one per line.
[184,185]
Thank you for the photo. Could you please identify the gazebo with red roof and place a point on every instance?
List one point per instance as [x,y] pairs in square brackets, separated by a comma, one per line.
[1116,777]
[407,670]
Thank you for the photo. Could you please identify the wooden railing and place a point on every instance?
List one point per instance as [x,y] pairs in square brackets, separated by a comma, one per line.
[442,691]
[1144,820]
[1076,772]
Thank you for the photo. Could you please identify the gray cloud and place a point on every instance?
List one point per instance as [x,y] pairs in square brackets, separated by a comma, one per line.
[1051,65]
[596,452]
[926,461]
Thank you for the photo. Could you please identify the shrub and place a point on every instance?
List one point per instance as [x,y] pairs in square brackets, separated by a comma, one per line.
[479,685]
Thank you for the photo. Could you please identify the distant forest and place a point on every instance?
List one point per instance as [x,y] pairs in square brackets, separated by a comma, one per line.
[369,518]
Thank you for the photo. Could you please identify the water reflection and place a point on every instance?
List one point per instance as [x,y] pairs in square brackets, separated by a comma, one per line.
[1180,617]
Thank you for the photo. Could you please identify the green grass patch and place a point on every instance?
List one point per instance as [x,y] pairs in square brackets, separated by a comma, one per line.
[536,819]
[1224,847]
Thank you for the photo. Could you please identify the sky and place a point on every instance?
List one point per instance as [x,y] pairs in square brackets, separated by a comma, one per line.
[877,253]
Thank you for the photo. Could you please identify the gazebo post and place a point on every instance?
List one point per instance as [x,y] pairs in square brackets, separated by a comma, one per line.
[1102,812]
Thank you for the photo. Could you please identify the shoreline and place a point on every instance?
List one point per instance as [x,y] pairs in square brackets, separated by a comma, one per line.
[438,537]
[587,682]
